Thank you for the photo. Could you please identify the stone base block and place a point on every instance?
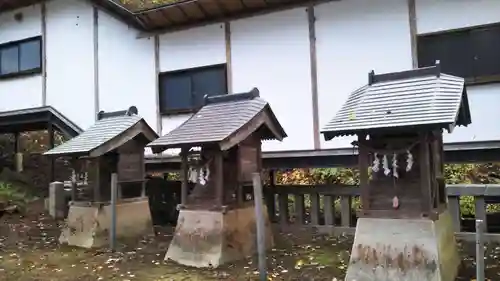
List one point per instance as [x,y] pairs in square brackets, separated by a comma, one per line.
[88,226]
[404,250]
[211,238]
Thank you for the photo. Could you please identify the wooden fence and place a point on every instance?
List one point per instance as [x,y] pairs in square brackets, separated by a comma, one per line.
[329,208]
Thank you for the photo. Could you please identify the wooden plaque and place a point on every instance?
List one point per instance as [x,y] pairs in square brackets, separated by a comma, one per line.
[131,167]
[248,157]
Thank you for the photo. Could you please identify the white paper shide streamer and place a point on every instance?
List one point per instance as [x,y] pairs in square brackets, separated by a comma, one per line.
[385,165]
[395,165]
[376,163]
[409,161]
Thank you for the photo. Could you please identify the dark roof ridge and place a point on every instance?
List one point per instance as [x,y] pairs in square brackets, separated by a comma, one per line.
[130,111]
[434,70]
[254,93]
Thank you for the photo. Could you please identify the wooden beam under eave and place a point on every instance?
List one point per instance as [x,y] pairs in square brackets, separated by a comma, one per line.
[245,14]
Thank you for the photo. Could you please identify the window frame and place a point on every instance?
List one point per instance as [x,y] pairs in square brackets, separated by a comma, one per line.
[188,71]
[475,79]
[17,44]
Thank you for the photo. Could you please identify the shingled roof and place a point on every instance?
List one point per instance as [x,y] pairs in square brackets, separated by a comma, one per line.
[224,120]
[111,130]
[403,100]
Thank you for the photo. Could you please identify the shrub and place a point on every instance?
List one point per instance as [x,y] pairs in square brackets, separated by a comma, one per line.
[10,195]
[454,174]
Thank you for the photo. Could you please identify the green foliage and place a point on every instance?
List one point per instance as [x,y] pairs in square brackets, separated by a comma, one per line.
[10,195]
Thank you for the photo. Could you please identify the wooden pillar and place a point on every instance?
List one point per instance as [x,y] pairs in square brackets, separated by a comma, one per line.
[363,173]
[16,142]
[18,156]
[73,180]
[270,196]
[184,171]
[97,182]
[425,180]
[219,178]
[50,131]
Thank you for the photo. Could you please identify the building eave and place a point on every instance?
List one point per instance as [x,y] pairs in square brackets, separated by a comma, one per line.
[10,5]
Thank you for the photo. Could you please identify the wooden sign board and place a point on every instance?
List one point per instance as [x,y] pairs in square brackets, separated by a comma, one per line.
[249,159]
[131,167]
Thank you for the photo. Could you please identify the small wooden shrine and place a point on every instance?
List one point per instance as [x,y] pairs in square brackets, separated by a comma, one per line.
[114,144]
[220,149]
[404,231]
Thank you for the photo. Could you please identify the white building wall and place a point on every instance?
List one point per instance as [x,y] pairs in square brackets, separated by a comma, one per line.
[271,53]
[70,60]
[191,48]
[438,16]
[353,38]
[23,92]
[126,69]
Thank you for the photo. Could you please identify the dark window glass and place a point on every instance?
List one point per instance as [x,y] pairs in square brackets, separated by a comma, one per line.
[184,91]
[453,50]
[473,53]
[29,55]
[486,52]
[176,92]
[21,57]
[211,82]
[9,60]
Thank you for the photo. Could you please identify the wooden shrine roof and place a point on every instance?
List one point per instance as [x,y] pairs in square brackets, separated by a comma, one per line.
[37,118]
[224,120]
[403,100]
[111,130]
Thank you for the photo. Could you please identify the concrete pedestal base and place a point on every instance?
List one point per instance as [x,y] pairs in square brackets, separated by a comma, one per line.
[211,238]
[404,250]
[88,225]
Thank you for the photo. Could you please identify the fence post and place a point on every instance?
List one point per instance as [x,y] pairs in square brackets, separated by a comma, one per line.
[479,250]
[114,195]
[259,219]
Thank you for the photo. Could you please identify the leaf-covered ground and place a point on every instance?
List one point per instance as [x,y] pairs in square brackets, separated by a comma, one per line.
[29,251]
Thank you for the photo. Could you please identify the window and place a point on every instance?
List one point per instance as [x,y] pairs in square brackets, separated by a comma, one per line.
[183,91]
[471,53]
[21,57]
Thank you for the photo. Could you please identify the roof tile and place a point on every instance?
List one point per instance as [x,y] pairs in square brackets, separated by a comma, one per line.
[407,102]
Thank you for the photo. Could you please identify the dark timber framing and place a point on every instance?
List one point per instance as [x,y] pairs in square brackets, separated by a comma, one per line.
[412,15]
[311,18]
[43,11]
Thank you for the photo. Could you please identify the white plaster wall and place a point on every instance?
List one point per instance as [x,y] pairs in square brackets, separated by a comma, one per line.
[30,26]
[271,53]
[126,69]
[354,37]
[195,47]
[70,63]
[24,92]
[434,16]
[483,99]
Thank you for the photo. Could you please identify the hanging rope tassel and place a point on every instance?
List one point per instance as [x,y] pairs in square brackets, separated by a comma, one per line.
[395,165]
[376,163]
[385,165]
[409,161]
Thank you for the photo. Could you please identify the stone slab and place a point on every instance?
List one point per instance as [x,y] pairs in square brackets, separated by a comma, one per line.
[88,226]
[404,250]
[211,238]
